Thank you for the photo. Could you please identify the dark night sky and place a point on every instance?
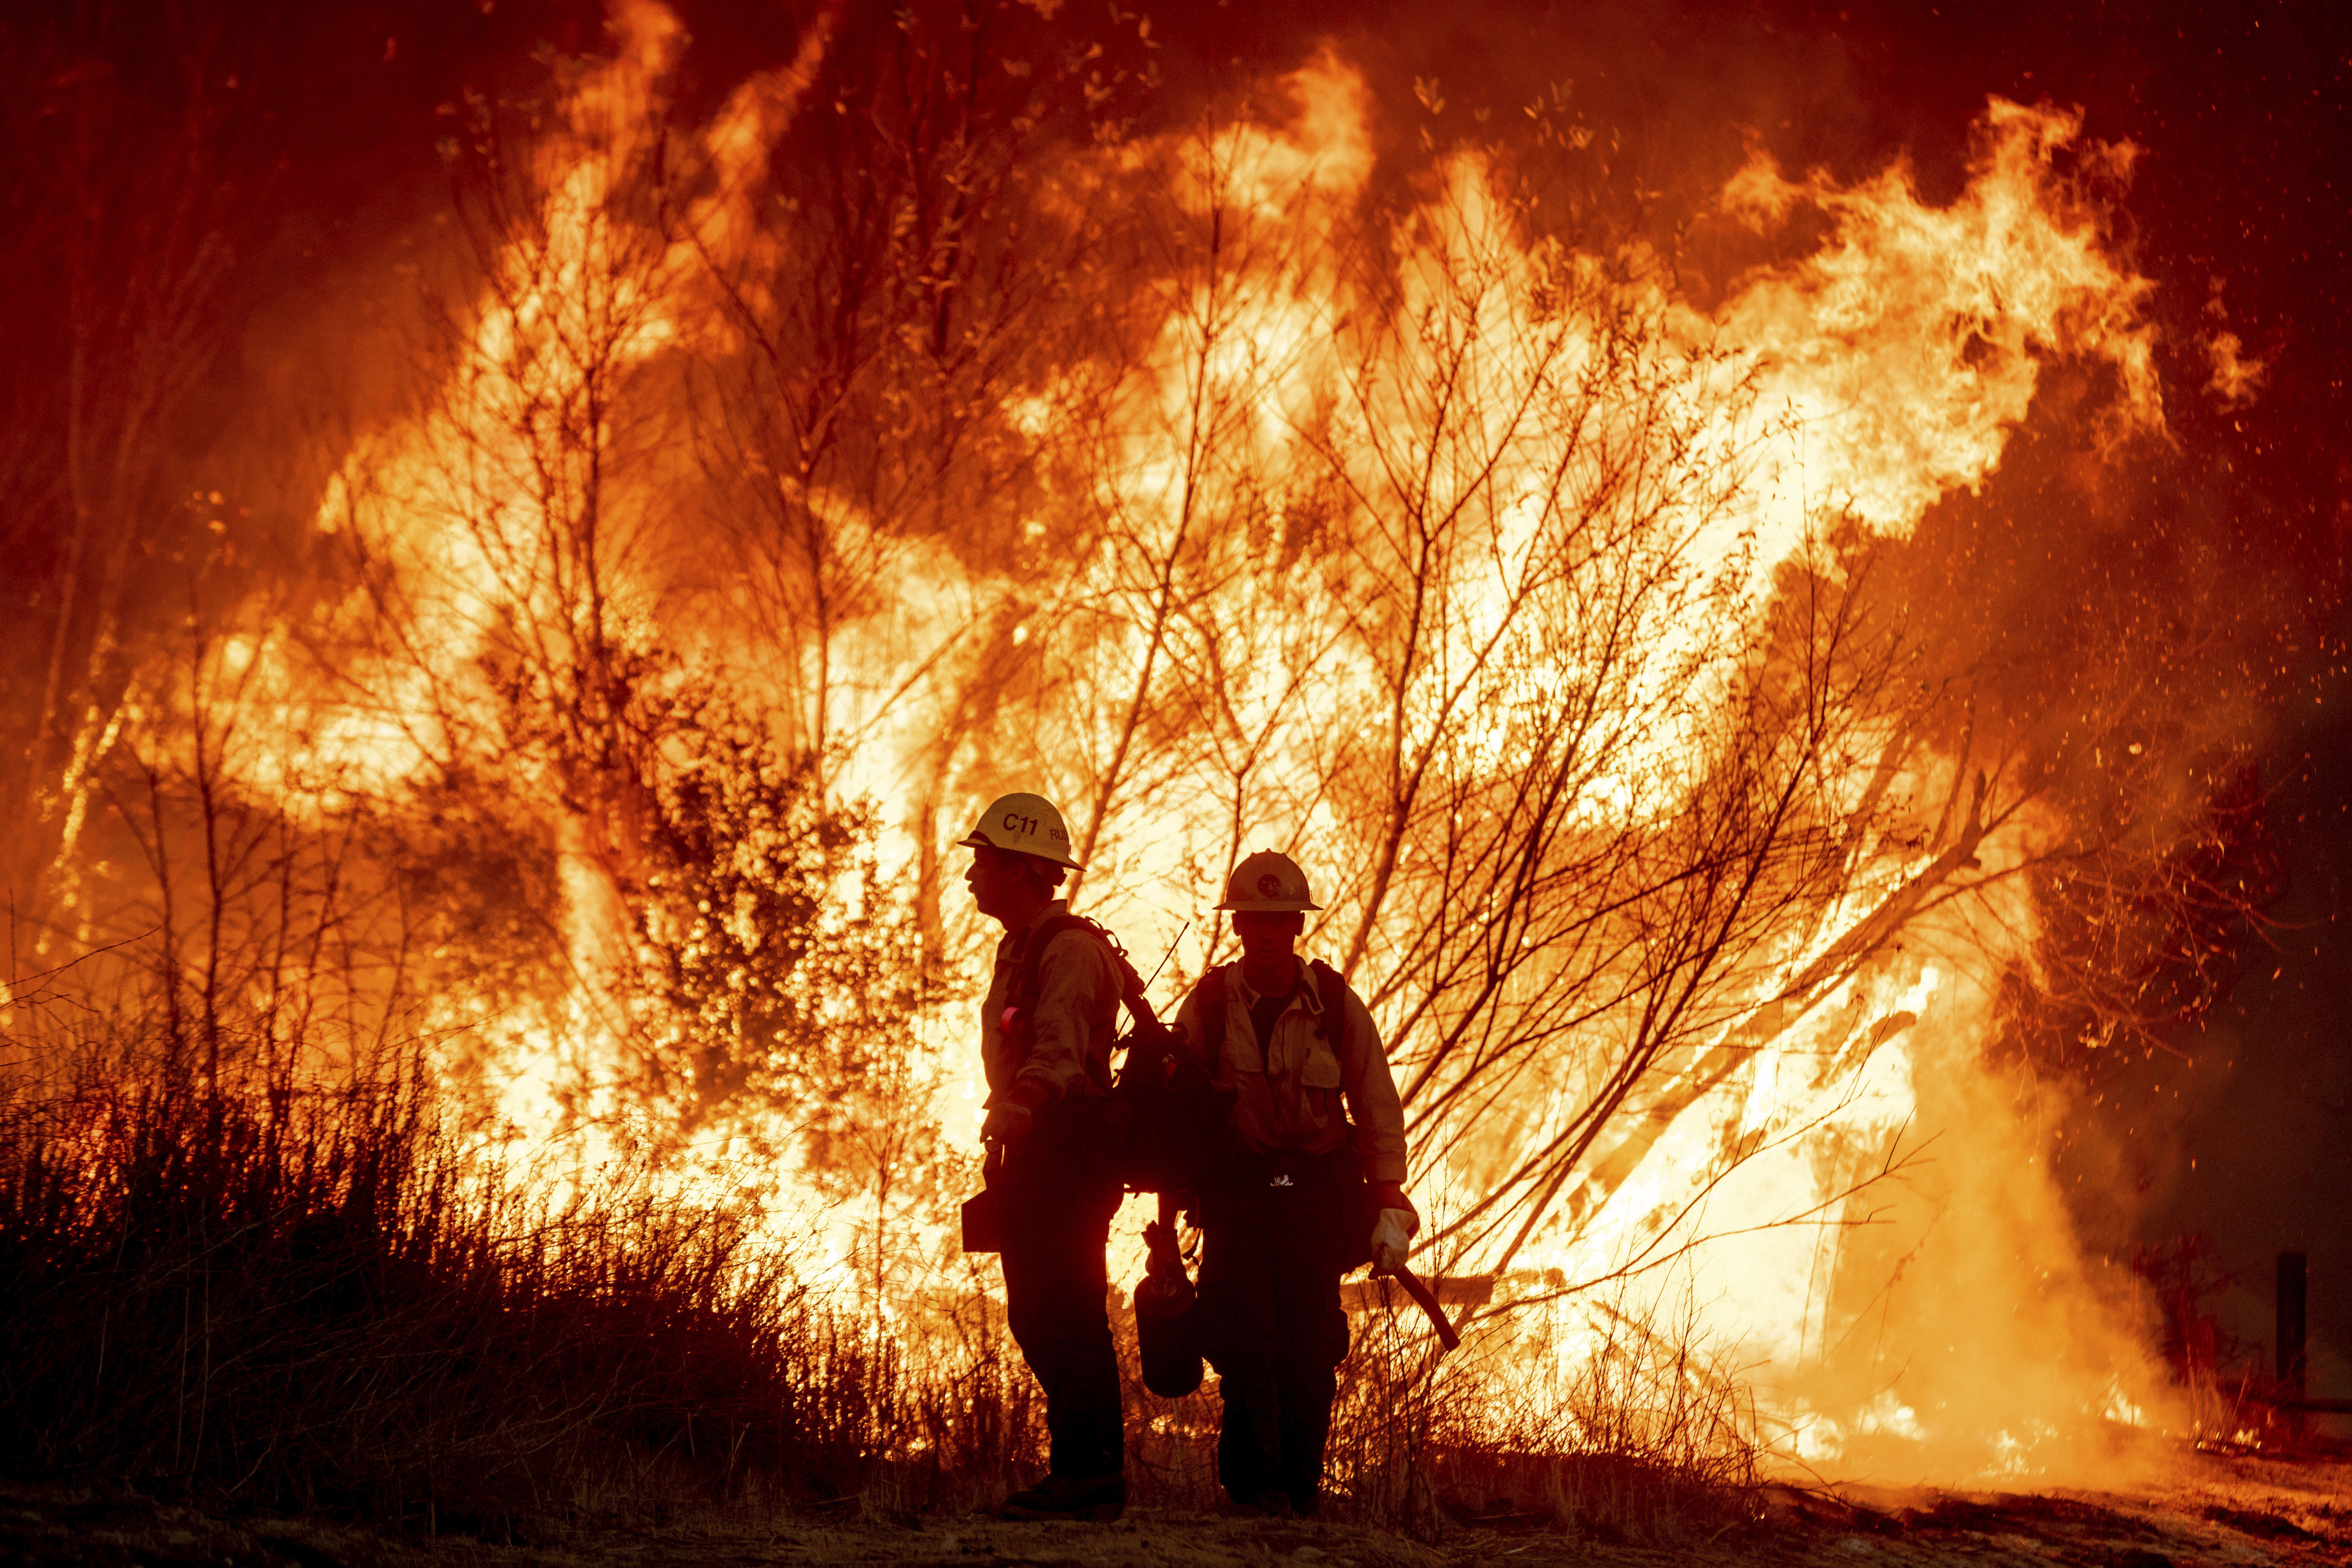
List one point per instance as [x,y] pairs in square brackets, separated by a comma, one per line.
[2240,110]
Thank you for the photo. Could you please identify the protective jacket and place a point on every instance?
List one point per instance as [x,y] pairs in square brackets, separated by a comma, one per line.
[1069,1030]
[1292,1086]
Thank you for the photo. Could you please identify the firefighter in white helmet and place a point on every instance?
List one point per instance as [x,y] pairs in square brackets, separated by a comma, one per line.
[1313,1185]
[1046,1042]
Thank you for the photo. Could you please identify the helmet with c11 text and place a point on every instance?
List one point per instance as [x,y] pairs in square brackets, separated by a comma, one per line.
[1269,883]
[1026,825]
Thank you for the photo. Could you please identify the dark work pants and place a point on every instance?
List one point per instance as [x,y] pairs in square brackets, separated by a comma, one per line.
[1273,1327]
[1057,1227]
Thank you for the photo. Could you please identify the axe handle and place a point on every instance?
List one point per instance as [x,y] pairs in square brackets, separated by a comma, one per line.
[1427,1302]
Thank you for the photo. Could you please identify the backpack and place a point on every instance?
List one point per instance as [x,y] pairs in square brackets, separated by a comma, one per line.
[1164,1117]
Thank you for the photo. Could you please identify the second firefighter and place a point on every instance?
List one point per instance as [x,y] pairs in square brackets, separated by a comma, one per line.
[1312,1186]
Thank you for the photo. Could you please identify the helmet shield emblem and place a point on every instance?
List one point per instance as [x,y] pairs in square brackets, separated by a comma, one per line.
[1269,882]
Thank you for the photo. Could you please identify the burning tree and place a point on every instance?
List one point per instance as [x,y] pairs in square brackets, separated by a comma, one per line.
[1654,809]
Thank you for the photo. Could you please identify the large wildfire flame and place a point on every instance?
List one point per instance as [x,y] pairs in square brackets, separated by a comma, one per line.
[1468,559]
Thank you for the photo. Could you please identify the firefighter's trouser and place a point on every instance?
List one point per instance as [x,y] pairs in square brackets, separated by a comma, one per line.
[1057,1225]
[1272,1323]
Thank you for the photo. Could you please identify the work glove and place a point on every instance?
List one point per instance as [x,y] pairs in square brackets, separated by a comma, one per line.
[1008,1123]
[1392,1233]
[1390,1195]
[1391,1241]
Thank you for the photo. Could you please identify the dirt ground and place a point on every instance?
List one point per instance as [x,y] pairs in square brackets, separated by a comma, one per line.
[2251,1511]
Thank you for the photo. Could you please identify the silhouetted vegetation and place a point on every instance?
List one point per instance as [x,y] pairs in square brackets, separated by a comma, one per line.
[325,1298]
[312,1297]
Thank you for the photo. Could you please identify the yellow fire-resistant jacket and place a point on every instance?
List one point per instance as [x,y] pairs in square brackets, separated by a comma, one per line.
[1071,1028]
[1291,1086]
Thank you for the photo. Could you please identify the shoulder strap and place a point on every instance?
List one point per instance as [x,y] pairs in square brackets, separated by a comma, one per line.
[1041,936]
[1212,992]
[1333,993]
[1033,954]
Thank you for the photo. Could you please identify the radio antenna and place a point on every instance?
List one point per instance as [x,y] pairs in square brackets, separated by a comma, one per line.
[1169,955]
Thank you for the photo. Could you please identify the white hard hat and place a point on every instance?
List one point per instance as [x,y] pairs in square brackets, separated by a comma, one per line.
[1269,883]
[1026,823]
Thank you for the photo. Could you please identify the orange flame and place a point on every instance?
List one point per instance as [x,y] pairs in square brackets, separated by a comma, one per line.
[1960,1334]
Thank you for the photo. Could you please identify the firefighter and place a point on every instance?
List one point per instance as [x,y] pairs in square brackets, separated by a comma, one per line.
[1045,1041]
[1312,1184]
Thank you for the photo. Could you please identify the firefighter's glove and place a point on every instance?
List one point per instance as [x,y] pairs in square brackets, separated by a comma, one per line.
[1392,1240]
[1008,1123]
[1390,1195]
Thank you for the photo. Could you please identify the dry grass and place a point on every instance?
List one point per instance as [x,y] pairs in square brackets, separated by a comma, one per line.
[1580,1416]
[313,1298]
[1592,1419]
